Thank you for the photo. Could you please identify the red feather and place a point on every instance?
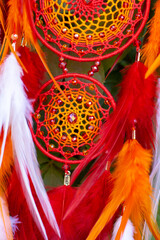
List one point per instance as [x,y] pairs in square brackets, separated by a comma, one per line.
[18,207]
[80,222]
[35,68]
[77,226]
[136,101]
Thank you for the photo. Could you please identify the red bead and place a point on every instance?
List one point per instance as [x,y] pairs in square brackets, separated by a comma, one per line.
[97,63]
[76,36]
[62,65]
[48,37]
[137,43]
[69,96]
[89,37]
[74,139]
[64,30]
[64,137]
[53,110]
[125,5]
[72,118]
[90,118]
[60,102]
[50,9]
[56,130]
[88,104]
[79,99]
[102,34]
[55,5]
[41,133]
[116,43]
[138,15]
[106,102]
[94,68]
[129,31]
[54,21]
[52,121]
[61,59]
[65,70]
[90,127]
[81,52]
[66,167]
[74,81]
[90,73]
[121,17]
[113,28]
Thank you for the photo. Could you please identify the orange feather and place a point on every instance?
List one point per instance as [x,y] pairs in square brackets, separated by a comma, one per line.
[7,163]
[132,189]
[5,227]
[151,48]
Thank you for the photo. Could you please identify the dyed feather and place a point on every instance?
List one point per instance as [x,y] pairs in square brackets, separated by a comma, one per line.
[131,188]
[77,226]
[15,113]
[35,71]
[7,162]
[5,173]
[5,223]
[155,174]
[128,232]
[18,207]
[153,67]
[135,91]
[151,48]
[14,223]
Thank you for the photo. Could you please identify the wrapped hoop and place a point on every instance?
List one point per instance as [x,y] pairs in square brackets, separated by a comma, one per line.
[66,130]
[87,30]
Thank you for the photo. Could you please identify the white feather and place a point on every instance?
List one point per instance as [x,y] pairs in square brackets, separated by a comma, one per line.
[14,223]
[15,110]
[128,232]
[5,223]
[155,174]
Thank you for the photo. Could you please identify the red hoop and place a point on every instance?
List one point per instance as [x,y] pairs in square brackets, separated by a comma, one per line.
[111,29]
[70,128]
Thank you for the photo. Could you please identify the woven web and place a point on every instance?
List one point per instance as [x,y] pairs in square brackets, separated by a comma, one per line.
[88,28]
[69,129]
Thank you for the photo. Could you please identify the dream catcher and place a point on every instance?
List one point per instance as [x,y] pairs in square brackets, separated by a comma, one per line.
[75,120]
[89,30]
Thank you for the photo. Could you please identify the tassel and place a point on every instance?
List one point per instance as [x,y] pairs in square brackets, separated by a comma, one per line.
[15,113]
[135,91]
[132,189]
[151,48]
[128,232]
